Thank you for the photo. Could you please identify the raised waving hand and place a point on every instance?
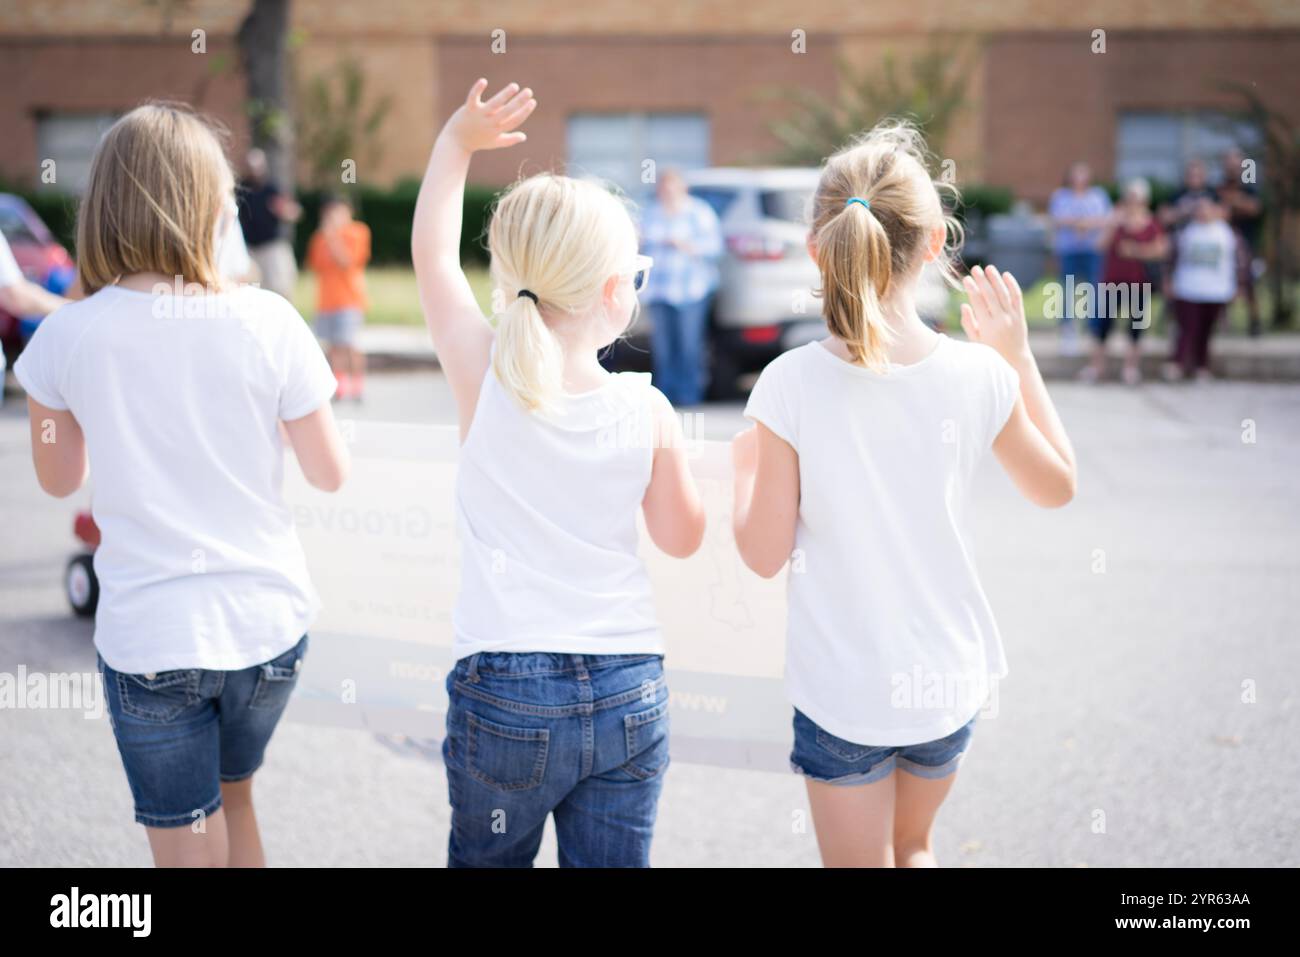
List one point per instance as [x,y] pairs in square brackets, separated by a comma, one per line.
[461,336]
[1033,446]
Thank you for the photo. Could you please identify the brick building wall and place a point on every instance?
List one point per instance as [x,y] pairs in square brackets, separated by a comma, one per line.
[92,75]
[724,79]
[1037,96]
[1053,101]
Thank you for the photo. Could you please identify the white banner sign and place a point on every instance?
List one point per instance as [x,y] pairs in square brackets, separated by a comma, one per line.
[383,555]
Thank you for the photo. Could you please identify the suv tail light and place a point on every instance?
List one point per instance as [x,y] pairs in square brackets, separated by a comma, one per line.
[752,248]
[761,335]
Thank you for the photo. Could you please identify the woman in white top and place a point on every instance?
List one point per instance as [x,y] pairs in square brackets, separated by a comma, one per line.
[557,701]
[1204,282]
[857,473]
[175,390]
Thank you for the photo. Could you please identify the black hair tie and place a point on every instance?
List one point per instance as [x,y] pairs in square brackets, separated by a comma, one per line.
[530,295]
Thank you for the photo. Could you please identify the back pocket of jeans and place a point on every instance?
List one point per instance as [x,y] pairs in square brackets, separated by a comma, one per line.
[158,697]
[277,678]
[505,758]
[845,750]
[647,741]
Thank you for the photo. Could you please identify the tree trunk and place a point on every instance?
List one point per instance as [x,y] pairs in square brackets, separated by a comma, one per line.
[263,49]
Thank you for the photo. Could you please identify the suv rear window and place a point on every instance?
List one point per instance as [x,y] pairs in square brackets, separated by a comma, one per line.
[790,205]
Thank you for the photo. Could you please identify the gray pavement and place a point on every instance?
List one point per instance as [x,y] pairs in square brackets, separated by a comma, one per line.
[1150,717]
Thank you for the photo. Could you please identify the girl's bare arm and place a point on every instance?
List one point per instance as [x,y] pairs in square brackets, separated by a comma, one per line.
[461,336]
[1032,446]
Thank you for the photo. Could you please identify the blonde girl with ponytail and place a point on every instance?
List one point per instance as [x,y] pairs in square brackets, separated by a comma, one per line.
[557,702]
[858,466]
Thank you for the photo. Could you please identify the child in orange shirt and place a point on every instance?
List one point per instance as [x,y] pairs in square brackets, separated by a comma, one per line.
[338,254]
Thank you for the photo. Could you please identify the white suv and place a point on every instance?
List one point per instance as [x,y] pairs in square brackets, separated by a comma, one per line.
[764,303]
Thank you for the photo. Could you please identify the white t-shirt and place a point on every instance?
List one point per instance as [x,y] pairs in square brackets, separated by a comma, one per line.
[233,260]
[10,274]
[179,399]
[1206,269]
[547,508]
[890,640]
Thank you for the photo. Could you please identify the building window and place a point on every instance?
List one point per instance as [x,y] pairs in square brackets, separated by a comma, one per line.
[1158,145]
[614,146]
[70,140]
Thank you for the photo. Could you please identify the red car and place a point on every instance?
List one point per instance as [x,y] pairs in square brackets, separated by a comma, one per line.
[39,256]
[46,263]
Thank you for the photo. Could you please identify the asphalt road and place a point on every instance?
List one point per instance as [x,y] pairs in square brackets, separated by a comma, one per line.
[1150,717]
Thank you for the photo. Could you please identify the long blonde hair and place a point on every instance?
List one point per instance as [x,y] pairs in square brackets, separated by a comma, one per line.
[558,239]
[863,252]
[158,184]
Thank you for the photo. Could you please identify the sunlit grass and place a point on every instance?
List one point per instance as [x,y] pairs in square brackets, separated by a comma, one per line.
[393,298]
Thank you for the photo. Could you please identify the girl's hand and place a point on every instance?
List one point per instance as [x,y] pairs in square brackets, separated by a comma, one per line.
[491,125]
[744,451]
[995,314]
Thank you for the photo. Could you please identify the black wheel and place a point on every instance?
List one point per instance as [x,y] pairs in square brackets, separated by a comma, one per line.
[724,374]
[81,586]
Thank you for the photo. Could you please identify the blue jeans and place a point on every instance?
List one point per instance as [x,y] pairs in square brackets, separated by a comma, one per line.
[822,756]
[583,737]
[677,349]
[182,733]
[1085,267]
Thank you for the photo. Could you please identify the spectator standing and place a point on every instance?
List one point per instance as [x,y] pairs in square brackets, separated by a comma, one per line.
[682,234]
[1245,213]
[338,253]
[267,216]
[1135,245]
[1204,282]
[1079,212]
[1181,208]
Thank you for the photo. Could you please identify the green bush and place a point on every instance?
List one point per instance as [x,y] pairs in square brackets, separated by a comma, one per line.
[388,213]
[979,201]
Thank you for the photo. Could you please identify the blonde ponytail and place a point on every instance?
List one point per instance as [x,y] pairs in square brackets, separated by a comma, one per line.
[528,360]
[873,211]
[855,262]
[554,242]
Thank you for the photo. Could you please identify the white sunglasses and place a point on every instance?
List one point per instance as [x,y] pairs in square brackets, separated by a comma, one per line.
[640,271]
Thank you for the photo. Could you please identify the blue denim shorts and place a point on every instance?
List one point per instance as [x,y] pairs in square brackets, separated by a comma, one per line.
[339,327]
[582,738]
[182,733]
[822,756]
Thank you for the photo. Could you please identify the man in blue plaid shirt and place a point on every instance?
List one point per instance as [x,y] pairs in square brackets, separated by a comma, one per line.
[683,235]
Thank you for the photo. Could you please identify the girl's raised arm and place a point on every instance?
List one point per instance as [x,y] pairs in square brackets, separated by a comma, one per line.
[461,337]
[1032,446]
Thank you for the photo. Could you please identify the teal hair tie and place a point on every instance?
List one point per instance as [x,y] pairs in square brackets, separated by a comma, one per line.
[857,199]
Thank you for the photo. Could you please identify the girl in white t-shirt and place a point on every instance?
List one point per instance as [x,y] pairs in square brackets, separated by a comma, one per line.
[857,474]
[557,701]
[177,391]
